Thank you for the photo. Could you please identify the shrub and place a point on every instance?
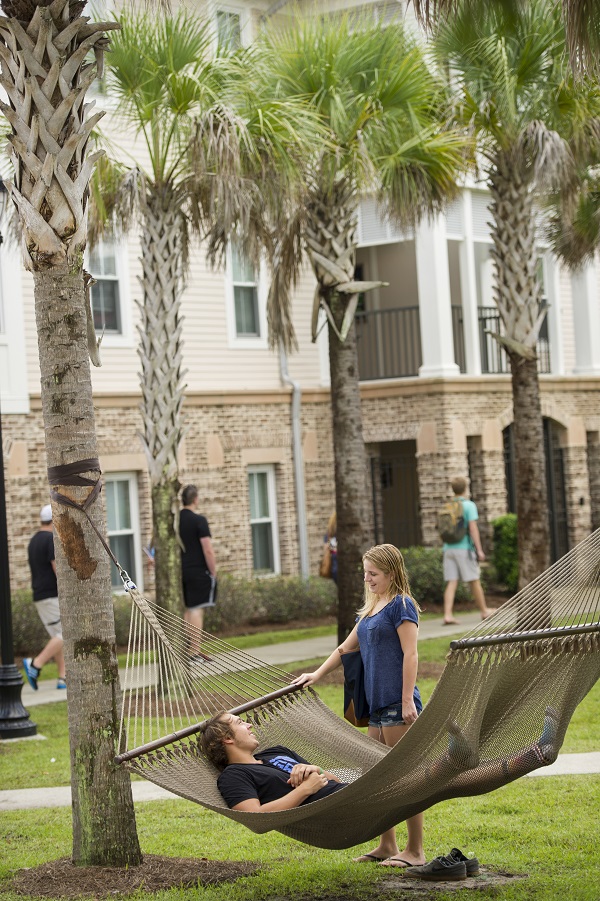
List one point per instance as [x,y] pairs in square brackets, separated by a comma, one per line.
[506,558]
[240,602]
[424,566]
[278,599]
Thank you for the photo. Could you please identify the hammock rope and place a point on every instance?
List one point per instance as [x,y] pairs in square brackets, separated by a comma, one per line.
[500,710]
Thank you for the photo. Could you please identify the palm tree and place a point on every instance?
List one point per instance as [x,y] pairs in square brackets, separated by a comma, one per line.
[529,116]
[202,133]
[164,81]
[581,18]
[378,104]
[46,71]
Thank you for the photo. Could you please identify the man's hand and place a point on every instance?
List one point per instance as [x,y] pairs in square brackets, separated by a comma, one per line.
[301,772]
[314,782]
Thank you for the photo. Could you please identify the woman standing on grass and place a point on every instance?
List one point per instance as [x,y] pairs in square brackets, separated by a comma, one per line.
[386,635]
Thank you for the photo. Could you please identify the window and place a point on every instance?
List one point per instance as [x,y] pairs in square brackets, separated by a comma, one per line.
[229,30]
[123,526]
[246,301]
[263,519]
[245,296]
[106,301]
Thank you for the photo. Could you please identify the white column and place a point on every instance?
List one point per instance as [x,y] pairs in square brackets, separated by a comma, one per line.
[586,320]
[13,369]
[555,333]
[435,314]
[468,287]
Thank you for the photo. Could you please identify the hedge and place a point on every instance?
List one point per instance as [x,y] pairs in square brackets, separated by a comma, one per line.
[240,602]
[424,566]
[255,602]
[506,556]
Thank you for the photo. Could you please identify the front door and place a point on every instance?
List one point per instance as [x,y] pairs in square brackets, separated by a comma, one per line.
[396,494]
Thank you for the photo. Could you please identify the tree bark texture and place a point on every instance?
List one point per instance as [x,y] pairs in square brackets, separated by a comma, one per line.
[104,830]
[45,77]
[160,352]
[331,233]
[530,465]
[518,296]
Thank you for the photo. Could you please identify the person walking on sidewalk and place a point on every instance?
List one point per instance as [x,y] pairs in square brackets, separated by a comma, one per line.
[198,567]
[45,595]
[462,558]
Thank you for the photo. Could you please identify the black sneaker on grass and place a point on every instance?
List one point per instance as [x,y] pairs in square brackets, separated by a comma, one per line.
[31,671]
[440,869]
[471,863]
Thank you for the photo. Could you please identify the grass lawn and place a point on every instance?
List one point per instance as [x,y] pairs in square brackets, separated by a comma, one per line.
[545,827]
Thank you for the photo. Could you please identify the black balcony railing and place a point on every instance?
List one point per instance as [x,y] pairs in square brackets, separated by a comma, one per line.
[389,343]
[493,357]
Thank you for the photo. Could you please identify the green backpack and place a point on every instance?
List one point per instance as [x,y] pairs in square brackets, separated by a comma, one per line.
[451,522]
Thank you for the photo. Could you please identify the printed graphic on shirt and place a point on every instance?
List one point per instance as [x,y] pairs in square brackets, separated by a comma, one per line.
[283,763]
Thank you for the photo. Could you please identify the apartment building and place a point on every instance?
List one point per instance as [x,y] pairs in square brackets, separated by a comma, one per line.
[435,388]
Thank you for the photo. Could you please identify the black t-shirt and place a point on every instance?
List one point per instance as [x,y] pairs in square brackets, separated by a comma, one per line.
[192,527]
[267,781]
[41,555]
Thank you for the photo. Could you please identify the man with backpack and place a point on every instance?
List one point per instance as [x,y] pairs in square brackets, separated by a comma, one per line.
[457,525]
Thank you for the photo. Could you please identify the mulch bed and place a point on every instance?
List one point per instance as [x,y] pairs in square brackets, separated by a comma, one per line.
[60,879]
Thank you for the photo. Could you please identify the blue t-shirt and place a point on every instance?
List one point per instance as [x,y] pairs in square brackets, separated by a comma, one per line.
[382,654]
[470,514]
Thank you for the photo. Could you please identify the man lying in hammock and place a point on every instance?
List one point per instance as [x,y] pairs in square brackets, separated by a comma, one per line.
[274,779]
[279,779]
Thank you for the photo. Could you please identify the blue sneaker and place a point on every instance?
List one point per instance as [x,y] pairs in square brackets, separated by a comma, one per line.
[61,683]
[31,671]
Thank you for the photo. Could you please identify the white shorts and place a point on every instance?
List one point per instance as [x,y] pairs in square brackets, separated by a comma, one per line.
[461,563]
[49,614]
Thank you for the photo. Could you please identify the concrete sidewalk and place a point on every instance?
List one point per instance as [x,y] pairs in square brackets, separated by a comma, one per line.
[32,798]
[280,654]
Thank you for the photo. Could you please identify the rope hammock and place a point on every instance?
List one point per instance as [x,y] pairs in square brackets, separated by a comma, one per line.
[500,710]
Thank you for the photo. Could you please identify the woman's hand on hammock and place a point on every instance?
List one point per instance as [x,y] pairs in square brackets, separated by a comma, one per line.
[306,678]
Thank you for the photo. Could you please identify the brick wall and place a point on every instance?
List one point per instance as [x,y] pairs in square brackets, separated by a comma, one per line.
[223,437]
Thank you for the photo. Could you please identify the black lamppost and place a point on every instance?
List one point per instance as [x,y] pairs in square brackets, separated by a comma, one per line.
[14,718]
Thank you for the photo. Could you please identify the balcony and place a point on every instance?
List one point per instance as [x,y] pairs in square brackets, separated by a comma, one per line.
[389,343]
[493,357]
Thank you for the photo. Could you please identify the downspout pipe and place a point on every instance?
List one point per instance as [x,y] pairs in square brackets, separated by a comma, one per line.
[298,462]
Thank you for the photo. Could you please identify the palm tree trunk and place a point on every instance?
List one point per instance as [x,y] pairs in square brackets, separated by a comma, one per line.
[43,53]
[530,465]
[518,296]
[331,234]
[160,352]
[104,832]
[353,491]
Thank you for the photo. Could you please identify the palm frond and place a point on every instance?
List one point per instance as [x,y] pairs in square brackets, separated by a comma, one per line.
[581,20]
[573,221]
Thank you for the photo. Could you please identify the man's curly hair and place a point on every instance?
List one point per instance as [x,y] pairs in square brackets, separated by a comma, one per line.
[212,733]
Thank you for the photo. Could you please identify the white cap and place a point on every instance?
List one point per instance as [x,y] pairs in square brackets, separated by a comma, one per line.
[46,513]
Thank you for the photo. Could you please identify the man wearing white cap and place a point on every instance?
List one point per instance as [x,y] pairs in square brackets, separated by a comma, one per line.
[45,595]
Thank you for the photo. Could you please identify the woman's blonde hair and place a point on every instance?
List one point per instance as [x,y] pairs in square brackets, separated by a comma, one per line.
[390,561]
[332,525]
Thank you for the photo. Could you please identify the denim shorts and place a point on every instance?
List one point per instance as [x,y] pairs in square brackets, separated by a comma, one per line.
[389,716]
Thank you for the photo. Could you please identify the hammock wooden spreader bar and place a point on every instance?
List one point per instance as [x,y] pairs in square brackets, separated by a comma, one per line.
[510,637]
[192,730]
[500,709]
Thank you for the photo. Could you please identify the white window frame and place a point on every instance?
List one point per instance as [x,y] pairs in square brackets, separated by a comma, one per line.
[258,342]
[245,22]
[134,505]
[269,470]
[124,338]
